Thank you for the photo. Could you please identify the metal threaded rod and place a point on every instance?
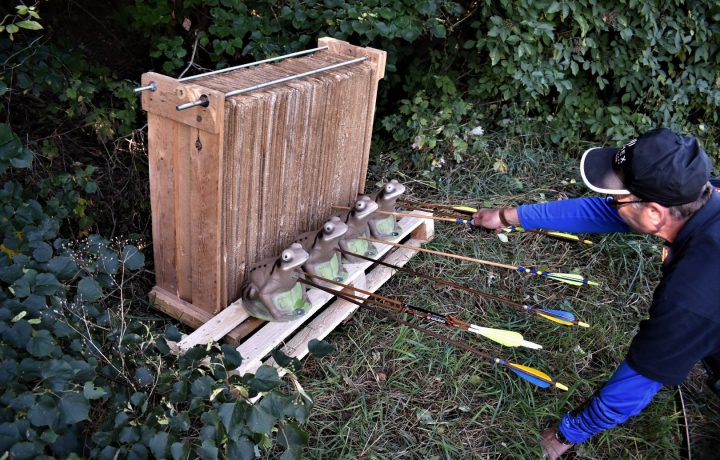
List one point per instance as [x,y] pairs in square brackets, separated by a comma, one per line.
[273,82]
[152,86]
[264,61]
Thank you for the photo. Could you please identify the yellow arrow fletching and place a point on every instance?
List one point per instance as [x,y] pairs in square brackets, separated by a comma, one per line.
[535,376]
[557,320]
[466,209]
[504,337]
[538,375]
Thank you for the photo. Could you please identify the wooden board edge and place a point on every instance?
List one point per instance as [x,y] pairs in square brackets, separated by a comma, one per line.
[183,311]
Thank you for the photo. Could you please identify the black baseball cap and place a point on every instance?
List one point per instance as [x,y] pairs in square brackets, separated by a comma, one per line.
[659,166]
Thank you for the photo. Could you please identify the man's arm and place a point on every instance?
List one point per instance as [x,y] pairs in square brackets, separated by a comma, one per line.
[626,394]
[577,215]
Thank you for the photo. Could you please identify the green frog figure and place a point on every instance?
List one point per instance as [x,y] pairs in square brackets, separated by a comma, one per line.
[273,292]
[322,246]
[357,223]
[384,226]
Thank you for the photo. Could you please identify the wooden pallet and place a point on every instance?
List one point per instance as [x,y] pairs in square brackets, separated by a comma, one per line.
[326,314]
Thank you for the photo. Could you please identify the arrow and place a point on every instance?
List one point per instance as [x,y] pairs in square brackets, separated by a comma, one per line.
[552,234]
[530,374]
[558,316]
[467,210]
[569,278]
[501,336]
[459,208]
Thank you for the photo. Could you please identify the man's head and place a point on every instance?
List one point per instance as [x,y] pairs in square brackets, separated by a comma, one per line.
[660,166]
[661,176]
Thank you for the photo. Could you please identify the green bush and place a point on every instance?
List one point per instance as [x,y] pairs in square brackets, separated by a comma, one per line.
[83,375]
[573,70]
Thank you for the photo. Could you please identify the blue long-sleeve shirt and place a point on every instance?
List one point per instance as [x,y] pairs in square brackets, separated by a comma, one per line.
[578,215]
[627,392]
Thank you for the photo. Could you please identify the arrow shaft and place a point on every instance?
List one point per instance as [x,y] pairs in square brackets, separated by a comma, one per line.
[518,306]
[398,306]
[444,254]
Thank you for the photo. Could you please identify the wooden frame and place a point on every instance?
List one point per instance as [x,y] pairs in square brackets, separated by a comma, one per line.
[187,162]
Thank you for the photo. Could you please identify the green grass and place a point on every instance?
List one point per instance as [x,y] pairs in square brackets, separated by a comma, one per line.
[393,392]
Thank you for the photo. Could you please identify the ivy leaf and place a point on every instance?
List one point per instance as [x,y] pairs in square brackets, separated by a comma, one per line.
[275,404]
[132,258]
[288,362]
[266,378]
[63,267]
[46,284]
[90,391]
[74,408]
[180,422]
[208,451]
[41,344]
[180,450]
[202,386]
[144,377]
[44,412]
[159,445]
[231,357]
[108,262]
[320,348]
[89,290]
[243,449]
[292,438]
[129,435]
[42,252]
[260,421]
[226,415]
[172,333]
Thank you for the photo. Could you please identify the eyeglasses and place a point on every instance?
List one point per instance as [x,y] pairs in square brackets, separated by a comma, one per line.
[611,201]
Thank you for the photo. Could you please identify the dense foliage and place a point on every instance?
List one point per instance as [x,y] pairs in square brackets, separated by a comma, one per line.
[601,72]
[83,372]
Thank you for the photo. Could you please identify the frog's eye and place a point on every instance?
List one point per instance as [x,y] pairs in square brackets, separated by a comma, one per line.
[360,205]
[389,187]
[329,227]
[287,255]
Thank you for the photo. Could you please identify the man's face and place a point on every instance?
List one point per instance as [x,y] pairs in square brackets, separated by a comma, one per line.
[630,208]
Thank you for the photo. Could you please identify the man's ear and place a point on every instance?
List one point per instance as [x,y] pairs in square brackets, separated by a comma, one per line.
[656,214]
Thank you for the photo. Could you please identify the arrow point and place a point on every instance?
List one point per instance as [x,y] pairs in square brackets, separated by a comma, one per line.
[581,324]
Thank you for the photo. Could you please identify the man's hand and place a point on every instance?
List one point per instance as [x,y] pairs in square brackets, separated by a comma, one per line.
[552,447]
[487,218]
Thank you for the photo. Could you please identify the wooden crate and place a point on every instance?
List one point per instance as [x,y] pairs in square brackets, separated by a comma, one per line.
[327,312]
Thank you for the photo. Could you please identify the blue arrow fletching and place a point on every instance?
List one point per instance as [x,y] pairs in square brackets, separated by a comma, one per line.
[528,374]
[560,314]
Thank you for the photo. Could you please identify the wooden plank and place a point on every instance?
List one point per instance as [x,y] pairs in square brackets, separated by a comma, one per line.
[216,328]
[161,142]
[254,349]
[183,311]
[170,93]
[205,203]
[378,58]
[181,193]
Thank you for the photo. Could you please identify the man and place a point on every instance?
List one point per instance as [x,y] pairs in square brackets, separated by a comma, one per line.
[657,185]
